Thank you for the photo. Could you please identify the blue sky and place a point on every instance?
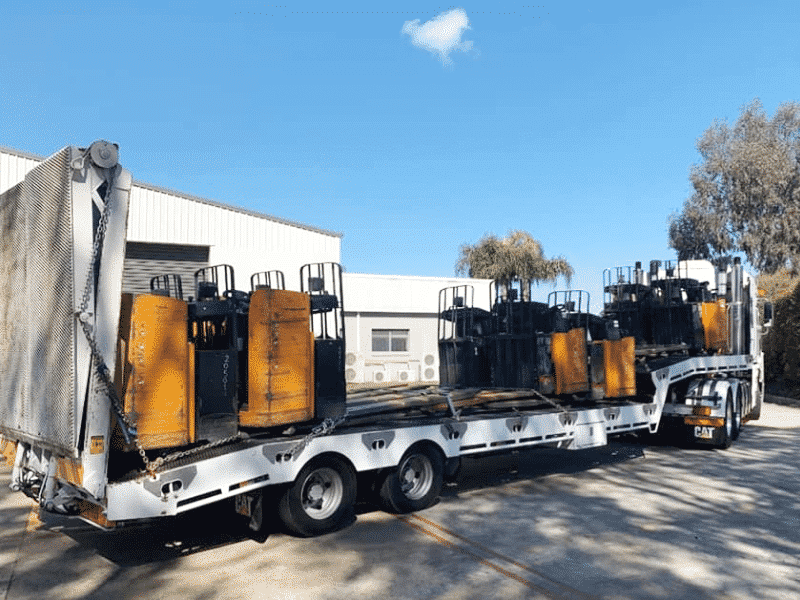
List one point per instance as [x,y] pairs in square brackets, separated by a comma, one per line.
[575,121]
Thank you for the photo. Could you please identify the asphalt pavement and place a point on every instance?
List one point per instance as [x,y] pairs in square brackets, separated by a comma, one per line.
[632,520]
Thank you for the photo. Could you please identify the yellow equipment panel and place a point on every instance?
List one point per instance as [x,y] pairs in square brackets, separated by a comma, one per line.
[280,360]
[8,450]
[570,361]
[157,370]
[620,368]
[715,325]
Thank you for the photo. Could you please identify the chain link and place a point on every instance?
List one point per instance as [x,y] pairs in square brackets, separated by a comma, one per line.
[324,428]
[102,370]
[153,466]
[102,373]
[549,401]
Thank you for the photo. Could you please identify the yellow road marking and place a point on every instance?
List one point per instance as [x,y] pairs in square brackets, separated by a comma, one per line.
[568,592]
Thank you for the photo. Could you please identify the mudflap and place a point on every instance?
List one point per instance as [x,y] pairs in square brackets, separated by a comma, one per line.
[672,430]
[705,435]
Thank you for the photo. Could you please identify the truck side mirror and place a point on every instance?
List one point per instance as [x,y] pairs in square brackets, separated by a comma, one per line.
[767,315]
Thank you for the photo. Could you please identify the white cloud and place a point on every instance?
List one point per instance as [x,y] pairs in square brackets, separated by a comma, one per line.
[441,35]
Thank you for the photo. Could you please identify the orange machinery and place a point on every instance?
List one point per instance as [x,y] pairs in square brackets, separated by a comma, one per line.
[715,325]
[197,371]
[280,353]
[155,370]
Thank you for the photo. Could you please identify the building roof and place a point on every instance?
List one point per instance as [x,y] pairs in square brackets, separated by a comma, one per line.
[197,199]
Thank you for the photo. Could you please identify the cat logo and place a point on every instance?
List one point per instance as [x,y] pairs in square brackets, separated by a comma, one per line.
[704,433]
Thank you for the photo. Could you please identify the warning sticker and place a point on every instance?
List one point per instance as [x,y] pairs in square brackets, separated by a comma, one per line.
[98,444]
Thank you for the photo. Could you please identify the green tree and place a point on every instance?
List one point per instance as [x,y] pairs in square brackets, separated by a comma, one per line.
[516,256]
[746,191]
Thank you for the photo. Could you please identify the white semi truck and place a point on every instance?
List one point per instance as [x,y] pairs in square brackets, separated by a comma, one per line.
[118,408]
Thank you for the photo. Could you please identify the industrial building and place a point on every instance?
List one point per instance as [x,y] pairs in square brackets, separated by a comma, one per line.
[391,324]
[172,232]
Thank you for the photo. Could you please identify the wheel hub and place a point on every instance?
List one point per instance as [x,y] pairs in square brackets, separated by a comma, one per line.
[409,476]
[315,492]
[322,494]
[416,476]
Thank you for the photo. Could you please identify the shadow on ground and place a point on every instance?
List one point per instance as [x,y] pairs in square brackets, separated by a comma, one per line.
[631,520]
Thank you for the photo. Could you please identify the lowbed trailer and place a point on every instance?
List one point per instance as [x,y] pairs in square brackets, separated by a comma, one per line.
[118,411]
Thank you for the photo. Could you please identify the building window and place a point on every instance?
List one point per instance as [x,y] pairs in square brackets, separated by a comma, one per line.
[390,340]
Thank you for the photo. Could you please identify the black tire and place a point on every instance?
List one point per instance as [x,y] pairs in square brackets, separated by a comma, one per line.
[726,436]
[737,415]
[416,482]
[321,499]
[755,414]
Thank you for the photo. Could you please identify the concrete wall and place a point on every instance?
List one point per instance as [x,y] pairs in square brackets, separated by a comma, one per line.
[420,361]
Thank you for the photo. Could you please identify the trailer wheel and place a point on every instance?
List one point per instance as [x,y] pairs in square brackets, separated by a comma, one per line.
[726,437]
[321,499]
[415,483]
[737,415]
[755,414]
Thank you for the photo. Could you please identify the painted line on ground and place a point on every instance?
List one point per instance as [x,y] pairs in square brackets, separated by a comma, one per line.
[555,590]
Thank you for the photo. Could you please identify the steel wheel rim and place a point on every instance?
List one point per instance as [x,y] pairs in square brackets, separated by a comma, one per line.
[322,493]
[416,476]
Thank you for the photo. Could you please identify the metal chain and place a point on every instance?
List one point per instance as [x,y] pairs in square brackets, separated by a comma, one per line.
[98,239]
[324,428]
[153,466]
[104,376]
[102,372]
[549,401]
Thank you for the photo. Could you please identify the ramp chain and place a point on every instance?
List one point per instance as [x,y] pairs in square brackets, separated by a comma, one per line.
[101,369]
[102,373]
[324,428]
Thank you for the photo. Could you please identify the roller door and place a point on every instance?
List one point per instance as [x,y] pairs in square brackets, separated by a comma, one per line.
[144,261]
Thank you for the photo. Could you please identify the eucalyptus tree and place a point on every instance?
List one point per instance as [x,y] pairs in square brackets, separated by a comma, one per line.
[746,191]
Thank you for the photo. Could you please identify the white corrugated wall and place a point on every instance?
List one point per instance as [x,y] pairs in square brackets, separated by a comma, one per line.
[13,168]
[248,241]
